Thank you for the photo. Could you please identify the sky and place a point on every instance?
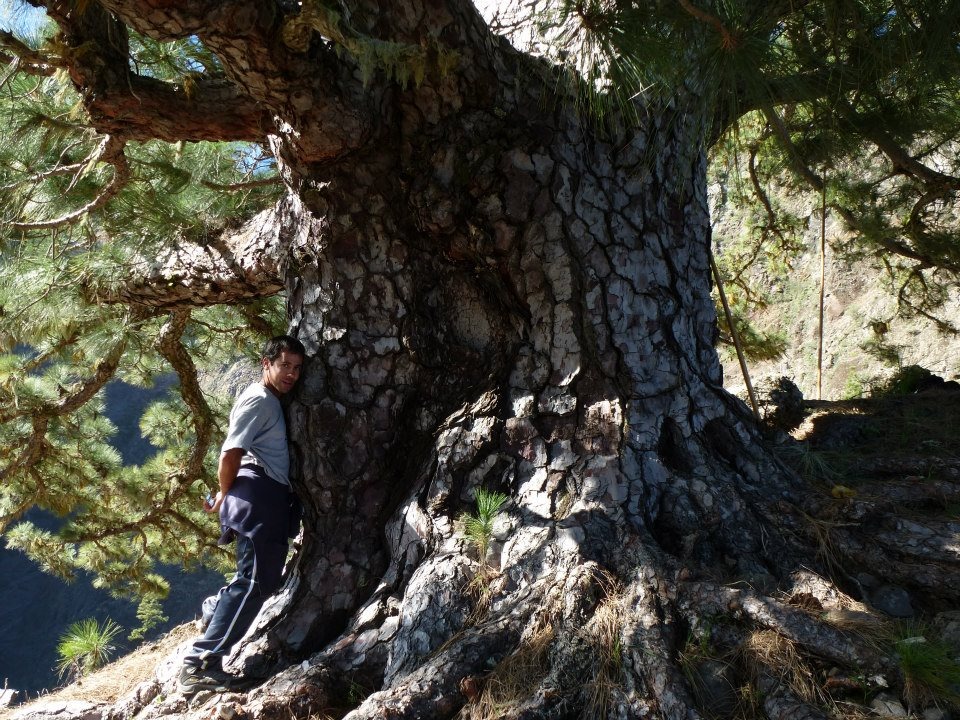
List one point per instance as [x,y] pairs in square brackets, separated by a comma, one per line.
[19,18]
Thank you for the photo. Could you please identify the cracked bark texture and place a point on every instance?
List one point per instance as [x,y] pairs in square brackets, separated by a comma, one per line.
[496,293]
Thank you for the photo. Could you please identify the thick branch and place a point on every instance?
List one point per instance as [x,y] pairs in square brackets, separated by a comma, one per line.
[28,60]
[237,267]
[315,99]
[145,108]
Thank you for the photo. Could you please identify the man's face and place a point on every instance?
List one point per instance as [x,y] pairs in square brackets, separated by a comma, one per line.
[281,375]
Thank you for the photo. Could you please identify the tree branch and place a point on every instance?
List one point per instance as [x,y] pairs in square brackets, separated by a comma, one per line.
[236,267]
[79,395]
[896,154]
[170,345]
[110,151]
[315,99]
[28,60]
[817,183]
[729,40]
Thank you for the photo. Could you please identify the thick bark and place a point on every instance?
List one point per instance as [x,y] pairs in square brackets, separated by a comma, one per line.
[498,293]
[520,302]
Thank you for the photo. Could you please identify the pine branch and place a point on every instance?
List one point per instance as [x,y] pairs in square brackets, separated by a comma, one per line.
[32,450]
[898,156]
[76,396]
[170,345]
[816,182]
[26,59]
[728,38]
[110,151]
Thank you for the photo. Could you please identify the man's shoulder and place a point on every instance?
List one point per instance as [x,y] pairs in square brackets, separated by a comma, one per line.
[256,395]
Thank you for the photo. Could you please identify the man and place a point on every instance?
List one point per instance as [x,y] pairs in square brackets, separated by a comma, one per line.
[256,508]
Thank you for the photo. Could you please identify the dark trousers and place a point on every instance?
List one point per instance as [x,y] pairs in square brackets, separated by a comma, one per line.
[237,606]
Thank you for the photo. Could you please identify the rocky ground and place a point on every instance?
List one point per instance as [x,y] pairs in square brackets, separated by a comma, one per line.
[898,449]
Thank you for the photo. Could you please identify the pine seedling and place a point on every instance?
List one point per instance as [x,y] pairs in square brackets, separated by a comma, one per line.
[86,646]
[478,528]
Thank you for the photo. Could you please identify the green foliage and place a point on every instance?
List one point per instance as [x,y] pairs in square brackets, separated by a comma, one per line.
[64,334]
[86,646]
[478,528]
[931,675]
[883,351]
[854,387]
[150,614]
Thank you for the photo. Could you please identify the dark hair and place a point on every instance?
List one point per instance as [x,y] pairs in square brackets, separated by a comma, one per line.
[281,343]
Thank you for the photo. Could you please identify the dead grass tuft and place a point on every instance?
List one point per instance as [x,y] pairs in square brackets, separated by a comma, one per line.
[604,633]
[514,679]
[863,623]
[769,653]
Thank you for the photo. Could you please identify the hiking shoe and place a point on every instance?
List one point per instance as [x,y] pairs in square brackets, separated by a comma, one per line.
[194,679]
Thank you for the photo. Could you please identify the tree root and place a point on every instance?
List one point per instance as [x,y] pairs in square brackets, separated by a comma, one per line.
[819,638]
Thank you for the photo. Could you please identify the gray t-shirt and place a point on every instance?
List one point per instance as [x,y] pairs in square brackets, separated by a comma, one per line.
[257,426]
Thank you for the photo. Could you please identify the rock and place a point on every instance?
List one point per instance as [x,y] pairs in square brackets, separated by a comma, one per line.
[837,431]
[8,697]
[866,580]
[893,600]
[715,688]
[948,625]
[935,714]
[887,707]
[62,709]
[782,404]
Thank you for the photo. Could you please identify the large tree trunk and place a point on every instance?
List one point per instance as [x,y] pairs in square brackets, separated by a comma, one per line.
[518,301]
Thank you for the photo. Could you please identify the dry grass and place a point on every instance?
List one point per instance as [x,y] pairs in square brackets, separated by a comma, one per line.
[769,652]
[604,634]
[113,681]
[514,679]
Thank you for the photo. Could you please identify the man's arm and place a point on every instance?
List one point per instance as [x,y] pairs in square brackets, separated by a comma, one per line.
[226,473]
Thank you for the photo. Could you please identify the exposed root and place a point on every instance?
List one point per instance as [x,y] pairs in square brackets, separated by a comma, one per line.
[813,635]
[781,704]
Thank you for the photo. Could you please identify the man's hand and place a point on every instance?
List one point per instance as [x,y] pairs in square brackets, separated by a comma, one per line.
[215,505]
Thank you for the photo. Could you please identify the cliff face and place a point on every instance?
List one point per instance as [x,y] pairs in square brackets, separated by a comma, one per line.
[36,608]
[865,335]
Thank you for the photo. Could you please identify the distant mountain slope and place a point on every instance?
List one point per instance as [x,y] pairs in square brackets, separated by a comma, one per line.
[862,323]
